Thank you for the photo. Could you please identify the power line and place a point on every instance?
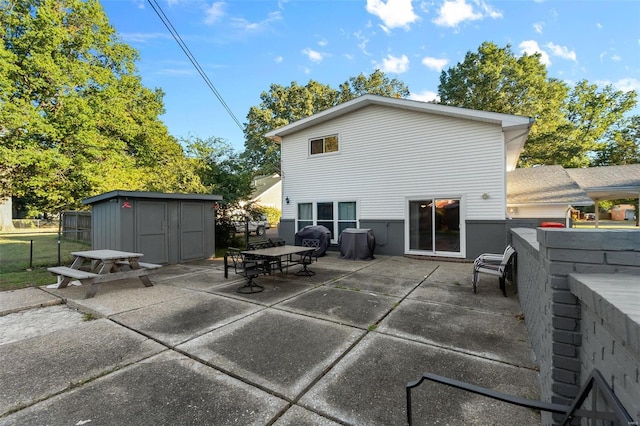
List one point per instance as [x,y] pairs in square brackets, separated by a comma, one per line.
[167,23]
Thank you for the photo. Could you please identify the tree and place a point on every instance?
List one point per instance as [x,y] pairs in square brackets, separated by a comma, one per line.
[221,169]
[570,123]
[223,172]
[76,120]
[622,145]
[590,115]
[494,79]
[283,105]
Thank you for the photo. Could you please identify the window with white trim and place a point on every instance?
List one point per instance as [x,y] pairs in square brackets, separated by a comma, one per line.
[323,145]
[335,216]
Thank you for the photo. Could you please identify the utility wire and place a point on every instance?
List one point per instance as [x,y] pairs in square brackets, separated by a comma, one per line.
[167,23]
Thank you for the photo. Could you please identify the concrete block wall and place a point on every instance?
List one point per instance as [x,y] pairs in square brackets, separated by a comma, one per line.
[544,268]
[610,330]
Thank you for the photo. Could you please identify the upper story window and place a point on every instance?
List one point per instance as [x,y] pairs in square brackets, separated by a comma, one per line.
[324,145]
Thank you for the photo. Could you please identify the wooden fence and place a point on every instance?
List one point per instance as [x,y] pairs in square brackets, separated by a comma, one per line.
[76,225]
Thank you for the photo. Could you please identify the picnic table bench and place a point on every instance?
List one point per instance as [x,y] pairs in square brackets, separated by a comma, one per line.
[104,265]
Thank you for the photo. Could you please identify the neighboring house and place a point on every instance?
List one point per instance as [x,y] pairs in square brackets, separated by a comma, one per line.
[623,212]
[545,193]
[267,191]
[428,179]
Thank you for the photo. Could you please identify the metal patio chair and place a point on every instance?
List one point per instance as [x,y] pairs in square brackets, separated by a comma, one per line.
[249,268]
[496,265]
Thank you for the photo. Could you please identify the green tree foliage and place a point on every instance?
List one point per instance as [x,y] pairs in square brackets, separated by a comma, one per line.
[570,123]
[590,115]
[220,169]
[283,105]
[622,144]
[75,118]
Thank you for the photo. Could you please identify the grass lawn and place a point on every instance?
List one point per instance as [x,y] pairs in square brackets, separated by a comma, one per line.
[14,258]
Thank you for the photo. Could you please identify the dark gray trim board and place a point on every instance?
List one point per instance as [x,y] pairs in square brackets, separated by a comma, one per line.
[482,236]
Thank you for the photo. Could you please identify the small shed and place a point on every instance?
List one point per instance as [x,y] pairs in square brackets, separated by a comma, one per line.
[167,228]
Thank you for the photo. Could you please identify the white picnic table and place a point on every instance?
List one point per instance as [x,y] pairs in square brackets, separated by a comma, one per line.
[97,266]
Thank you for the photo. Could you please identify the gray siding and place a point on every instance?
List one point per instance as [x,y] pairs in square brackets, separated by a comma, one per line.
[166,230]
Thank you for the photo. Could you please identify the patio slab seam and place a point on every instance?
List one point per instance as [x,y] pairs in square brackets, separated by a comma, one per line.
[459,351]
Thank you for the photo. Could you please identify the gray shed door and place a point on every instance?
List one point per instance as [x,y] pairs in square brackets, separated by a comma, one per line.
[192,230]
[152,238]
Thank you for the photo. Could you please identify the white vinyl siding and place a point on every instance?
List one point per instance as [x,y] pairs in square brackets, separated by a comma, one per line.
[388,154]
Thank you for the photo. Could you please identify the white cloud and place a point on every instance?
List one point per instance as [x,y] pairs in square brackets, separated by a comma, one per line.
[561,51]
[453,12]
[538,27]
[530,47]
[323,43]
[278,59]
[243,24]
[627,84]
[174,71]
[598,25]
[435,63]
[142,37]
[214,13]
[616,58]
[602,56]
[425,96]
[394,64]
[313,55]
[393,13]
[362,42]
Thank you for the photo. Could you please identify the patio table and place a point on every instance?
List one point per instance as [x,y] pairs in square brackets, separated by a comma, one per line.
[280,254]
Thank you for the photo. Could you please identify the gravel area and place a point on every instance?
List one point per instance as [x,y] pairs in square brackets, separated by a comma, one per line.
[37,322]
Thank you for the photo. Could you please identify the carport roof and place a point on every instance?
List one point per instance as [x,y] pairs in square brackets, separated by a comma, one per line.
[578,187]
[609,182]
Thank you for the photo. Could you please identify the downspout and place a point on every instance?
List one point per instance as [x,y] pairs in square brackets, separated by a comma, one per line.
[567,218]
[597,211]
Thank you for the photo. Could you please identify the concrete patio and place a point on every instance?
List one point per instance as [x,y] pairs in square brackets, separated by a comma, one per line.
[335,348]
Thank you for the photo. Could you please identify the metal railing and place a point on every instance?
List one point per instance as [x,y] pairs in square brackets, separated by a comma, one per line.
[595,385]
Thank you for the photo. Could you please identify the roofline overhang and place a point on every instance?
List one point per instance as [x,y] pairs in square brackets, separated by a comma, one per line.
[508,122]
[577,203]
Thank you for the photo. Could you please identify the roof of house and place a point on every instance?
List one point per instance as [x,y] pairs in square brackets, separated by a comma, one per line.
[609,182]
[557,185]
[544,185]
[263,184]
[516,127]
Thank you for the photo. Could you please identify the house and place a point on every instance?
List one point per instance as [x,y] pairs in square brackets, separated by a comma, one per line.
[623,212]
[267,191]
[428,179]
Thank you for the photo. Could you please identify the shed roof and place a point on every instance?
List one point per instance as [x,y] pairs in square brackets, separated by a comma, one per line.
[544,185]
[151,195]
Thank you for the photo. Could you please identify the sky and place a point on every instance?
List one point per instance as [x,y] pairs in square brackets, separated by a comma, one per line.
[245,46]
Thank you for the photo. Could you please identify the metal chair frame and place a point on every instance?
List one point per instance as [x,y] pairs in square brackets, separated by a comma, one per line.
[595,385]
[496,265]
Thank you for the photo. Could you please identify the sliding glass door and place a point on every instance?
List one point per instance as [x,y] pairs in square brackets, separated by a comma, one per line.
[434,225]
